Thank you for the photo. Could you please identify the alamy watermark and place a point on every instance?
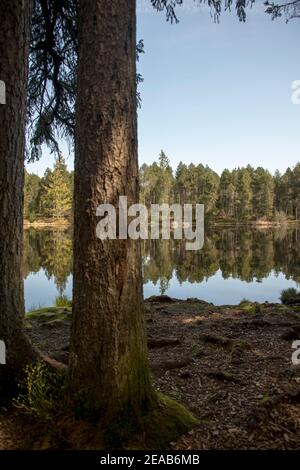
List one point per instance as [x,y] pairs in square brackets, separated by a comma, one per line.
[2,352]
[157,222]
[296,354]
[295,97]
[2,92]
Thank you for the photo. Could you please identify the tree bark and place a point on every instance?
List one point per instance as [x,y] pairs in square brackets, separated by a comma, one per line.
[108,369]
[14,41]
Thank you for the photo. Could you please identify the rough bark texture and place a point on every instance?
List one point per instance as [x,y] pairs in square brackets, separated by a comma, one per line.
[108,362]
[14,39]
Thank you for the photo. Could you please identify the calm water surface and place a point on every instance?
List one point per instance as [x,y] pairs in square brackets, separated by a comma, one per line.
[234,264]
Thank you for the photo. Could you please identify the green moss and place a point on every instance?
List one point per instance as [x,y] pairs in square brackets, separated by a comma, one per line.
[43,396]
[36,312]
[281,308]
[227,343]
[165,423]
[265,399]
[296,308]
[248,307]
[49,314]
[198,301]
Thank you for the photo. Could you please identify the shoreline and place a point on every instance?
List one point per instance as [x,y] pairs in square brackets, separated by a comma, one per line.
[65,223]
[51,223]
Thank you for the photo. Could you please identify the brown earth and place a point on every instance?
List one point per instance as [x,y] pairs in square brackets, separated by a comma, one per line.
[230,365]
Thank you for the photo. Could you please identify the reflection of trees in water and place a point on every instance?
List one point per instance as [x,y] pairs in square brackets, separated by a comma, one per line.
[50,250]
[287,255]
[241,253]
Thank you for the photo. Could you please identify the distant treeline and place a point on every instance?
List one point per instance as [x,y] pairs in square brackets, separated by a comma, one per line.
[242,194]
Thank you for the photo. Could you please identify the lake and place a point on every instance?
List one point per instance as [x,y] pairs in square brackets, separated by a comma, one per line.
[235,263]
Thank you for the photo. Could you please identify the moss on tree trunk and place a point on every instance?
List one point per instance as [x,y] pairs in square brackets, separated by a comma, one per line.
[109,379]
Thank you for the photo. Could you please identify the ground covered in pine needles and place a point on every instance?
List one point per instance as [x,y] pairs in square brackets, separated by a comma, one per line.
[231,366]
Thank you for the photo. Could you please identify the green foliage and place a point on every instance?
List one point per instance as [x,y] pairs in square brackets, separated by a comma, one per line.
[31,190]
[53,62]
[56,191]
[41,392]
[248,307]
[241,195]
[244,301]
[50,196]
[63,301]
[52,75]
[289,294]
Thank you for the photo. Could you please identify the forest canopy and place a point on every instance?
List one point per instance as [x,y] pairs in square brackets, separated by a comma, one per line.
[244,193]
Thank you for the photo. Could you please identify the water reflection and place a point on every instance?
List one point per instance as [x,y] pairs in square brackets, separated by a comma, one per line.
[233,264]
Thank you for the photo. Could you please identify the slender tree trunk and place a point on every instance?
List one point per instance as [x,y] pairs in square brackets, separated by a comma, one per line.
[108,370]
[14,40]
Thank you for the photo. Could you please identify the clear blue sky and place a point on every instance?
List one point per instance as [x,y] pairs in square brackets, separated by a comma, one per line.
[217,94]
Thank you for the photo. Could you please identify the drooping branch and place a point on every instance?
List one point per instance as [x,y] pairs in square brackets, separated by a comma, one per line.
[53,62]
[290,10]
[216,7]
[52,74]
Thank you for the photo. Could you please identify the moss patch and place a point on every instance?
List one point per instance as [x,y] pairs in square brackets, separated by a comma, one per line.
[248,307]
[296,308]
[168,420]
[225,342]
[49,314]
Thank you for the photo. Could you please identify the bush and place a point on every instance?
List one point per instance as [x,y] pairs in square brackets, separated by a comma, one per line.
[41,391]
[245,301]
[290,296]
[63,301]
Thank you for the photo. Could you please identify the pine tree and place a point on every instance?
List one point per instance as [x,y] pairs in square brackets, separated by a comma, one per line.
[56,195]
[31,192]
[244,194]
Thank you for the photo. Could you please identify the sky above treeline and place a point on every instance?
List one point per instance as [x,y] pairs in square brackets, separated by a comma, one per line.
[216,94]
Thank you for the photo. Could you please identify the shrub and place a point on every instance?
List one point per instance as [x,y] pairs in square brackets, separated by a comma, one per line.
[63,301]
[290,295]
[41,391]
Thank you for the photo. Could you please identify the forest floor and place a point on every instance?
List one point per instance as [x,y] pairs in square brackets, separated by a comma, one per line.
[230,365]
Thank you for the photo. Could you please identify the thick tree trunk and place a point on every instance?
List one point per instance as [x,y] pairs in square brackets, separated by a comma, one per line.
[14,40]
[108,370]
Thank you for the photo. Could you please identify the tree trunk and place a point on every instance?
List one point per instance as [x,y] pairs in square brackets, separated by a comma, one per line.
[108,370]
[14,40]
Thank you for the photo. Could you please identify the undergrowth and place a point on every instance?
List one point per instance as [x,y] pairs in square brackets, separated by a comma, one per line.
[41,392]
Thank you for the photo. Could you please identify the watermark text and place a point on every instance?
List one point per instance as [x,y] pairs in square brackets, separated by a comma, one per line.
[159,221]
